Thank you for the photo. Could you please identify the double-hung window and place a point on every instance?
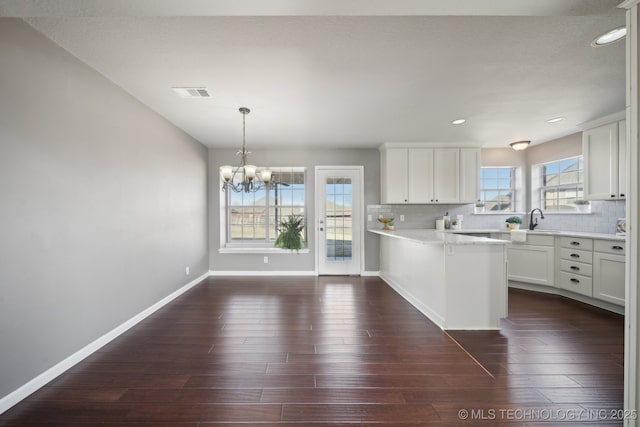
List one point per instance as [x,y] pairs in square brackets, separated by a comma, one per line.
[252,218]
[561,184]
[498,188]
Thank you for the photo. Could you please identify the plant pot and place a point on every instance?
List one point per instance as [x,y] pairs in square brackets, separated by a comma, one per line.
[514,226]
[583,208]
[478,209]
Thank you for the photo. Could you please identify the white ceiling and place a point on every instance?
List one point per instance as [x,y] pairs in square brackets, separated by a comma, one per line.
[313,78]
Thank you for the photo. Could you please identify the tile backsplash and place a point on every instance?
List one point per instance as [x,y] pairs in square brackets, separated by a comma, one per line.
[602,218]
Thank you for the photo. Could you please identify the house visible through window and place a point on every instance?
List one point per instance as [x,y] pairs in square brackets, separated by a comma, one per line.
[497,188]
[252,218]
[561,184]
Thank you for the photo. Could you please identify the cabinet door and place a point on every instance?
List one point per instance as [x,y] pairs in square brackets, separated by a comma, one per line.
[469,175]
[394,175]
[622,159]
[600,151]
[421,175]
[446,175]
[608,277]
[531,264]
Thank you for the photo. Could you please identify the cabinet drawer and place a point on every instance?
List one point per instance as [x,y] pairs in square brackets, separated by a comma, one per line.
[609,246]
[576,283]
[576,243]
[576,267]
[576,255]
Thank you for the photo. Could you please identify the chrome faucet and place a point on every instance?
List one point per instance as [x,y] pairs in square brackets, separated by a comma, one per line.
[533,225]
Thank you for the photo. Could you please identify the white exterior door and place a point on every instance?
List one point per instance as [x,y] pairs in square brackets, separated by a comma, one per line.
[339,219]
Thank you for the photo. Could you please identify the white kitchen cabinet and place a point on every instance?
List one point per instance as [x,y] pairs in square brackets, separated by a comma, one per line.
[469,175]
[604,152]
[608,271]
[531,264]
[446,175]
[532,261]
[394,175]
[421,174]
[575,265]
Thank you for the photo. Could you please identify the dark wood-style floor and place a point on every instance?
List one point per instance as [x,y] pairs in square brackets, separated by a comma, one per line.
[334,351]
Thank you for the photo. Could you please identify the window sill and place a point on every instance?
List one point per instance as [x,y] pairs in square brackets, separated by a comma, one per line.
[567,213]
[262,251]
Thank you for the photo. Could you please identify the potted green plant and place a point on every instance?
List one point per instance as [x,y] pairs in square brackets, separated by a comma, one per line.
[513,222]
[455,225]
[582,205]
[290,233]
[478,207]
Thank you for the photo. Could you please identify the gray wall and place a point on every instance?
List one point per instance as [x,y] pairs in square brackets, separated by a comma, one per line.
[369,158]
[103,204]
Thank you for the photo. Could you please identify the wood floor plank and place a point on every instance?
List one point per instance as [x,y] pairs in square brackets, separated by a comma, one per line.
[335,351]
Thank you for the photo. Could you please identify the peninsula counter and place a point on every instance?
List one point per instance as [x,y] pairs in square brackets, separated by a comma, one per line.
[457,281]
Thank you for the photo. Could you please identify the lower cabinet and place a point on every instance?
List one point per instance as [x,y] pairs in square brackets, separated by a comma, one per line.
[589,267]
[608,271]
[531,264]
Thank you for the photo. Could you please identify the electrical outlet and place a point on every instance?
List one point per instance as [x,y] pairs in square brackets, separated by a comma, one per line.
[266,260]
[459,217]
[186,270]
[401,218]
[380,216]
[369,217]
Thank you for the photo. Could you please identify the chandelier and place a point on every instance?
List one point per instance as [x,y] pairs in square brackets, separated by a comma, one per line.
[250,179]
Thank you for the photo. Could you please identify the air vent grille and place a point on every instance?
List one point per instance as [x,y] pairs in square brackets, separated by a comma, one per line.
[192,92]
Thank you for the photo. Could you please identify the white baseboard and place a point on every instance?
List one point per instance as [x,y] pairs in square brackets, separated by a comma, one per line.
[262,273]
[36,383]
[427,311]
[370,274]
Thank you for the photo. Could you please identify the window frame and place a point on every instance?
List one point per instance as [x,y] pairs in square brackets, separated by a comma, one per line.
[513,189]
[542,189]
[266,244]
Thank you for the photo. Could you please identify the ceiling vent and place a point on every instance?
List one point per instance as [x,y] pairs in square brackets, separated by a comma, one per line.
[192,92]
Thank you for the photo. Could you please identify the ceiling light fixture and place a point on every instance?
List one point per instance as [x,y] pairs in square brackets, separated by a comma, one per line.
[609,37]
[555,120]
[520,145]
[245,178]
[458,122]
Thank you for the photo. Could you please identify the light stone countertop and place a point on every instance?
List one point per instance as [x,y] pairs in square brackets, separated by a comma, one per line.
[458,237]
[602,236]
[433,237]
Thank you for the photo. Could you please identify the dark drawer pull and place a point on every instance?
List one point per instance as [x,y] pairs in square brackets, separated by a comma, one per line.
[617,248]
[575,280]
[575,243]
[575,255]
[621,195]
[573,267]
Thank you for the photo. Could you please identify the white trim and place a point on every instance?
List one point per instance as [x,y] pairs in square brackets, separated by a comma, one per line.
[273,251]
[631,349]
[628,4]
[432,315]
[620,115]
[360,169]
[567,294]
[386,145]
[36,383]
[369,273]
[218,273]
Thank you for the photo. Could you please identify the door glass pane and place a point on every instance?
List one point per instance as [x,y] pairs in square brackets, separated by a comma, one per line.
[339,200]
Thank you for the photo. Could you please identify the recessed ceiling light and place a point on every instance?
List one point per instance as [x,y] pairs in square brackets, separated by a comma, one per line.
[610,37]
[192,92]
[555,120]
[458,122]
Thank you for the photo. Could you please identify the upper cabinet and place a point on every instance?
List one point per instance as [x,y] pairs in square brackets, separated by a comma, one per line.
[604,152]
[425,175]
[469,175]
